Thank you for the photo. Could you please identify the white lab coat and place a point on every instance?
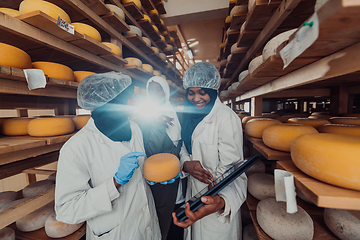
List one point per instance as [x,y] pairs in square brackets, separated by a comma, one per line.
[85,190]
[217,144]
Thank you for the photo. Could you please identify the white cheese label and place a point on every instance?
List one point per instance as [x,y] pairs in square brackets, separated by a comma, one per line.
[65,25]
[35,78]
[285,189]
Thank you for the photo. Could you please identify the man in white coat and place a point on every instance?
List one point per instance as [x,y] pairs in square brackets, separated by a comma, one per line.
[99,178]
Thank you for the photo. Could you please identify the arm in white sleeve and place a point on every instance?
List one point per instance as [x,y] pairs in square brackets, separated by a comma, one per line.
[184,157]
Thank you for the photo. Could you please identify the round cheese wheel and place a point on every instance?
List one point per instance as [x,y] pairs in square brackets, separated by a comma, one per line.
[223,62]
[243,74]
[7,197]
[11,204]
[136,2]
[341,129]
[234,86]
[248,118]
[7,234]
[36,188]
[156,73]
[326,117]
[319,155]
[35,220]
[255,127]
[15,126]
[302,196]
[261,185]
[161,167]
[147,41]
[249,232]
[169,82]
[155,28]
[278,224]
[168,48]
[156,50]
[45,127]
[319,113]
[87,30]
[146,18]
[162,56]
[162,38]
[272,45]
[115,49]
[50,9]
[148,68]
[237,10]
[14,57]
[164,77]
[281,136]
[10,11]
[56,229]
[154,11]
[116,10]
[222,45]
[80,75]
[55,70]
[228,19]
[314,122]
[162,22]
[255,63]
[52,177]
[258,167]
[80,121]
[133,30]
[344,224]
[346,120]
[133,61]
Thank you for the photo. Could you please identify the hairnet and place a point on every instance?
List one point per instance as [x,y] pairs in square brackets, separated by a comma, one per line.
[98,89]
[203,75]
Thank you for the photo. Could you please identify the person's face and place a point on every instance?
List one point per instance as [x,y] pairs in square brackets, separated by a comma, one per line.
[198,97]
[156,93]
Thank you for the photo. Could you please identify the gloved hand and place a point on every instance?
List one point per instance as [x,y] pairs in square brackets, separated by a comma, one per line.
[128,163]
[166,182]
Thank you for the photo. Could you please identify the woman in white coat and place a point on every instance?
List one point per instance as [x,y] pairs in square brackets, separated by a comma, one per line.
[212,134]
[99,178]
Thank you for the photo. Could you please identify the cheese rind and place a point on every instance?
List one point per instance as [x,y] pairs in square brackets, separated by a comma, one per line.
[256,127]
[56,229]
[133,61]
[272,45]
[147,41]
[161,167]
[255,63]
[46,127]
[80,75]
[114,48]
[87,30]
[156,73]
[7,233]
[148,68]
[261,185]
[36,188]
[344,224]
[80,121]
[136,2]
[16,126]
[116,10]
[55,70]
[345,120]
[14,57]
[341,129]
[133,30]
[314,122]
[35,220]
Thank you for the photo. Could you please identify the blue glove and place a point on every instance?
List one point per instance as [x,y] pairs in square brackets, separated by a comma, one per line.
[166,182]
[128,163]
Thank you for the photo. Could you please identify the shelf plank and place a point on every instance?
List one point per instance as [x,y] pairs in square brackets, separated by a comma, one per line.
[147,5]
[139,43]
[146,25]
[39,171]
[237,20]
[49,140]
[260,13]
[247,37]
[155,36]
[160,7]
[139,71]
[111,57]
[116,22]
[97,6]
[321,193]
[11,145]
[237,56]
[161,44]
[134,11]
[249,83]
[91,45]
[162,28]
[155,18]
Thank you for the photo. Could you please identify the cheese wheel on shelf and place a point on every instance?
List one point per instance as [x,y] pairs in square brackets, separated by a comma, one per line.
[133,61]
[161,167]
[54,126]
[314,122]
[256,127]
[237,10]
[168,48]
[116,10]
[343,223]
[148,68]
[80,121]
[146,18]
[243,74]
[261,185]
[50,9]
[35,220]
[56,229]
[147,41]
[80,75]
[136,2]
[346,120]
[341,129]
[7,233]
[11,204]
[52,177]
[16,126]
[272,45]
[10,11]
[281,136]
[163,76]
[248,118]
[156,73]
[156,50]
[153,12]
[87,30]
[162,56]
[14,57]
[155,28]
[133,30]
[272,216]
[328,157]
[258,167]
[162,38]
[319,113]
[228,19]
[36,188]
[55,70]
[115,49]
[7,197]
[255,63]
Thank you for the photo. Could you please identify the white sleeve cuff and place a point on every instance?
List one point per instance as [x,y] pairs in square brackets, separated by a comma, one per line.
[113,192]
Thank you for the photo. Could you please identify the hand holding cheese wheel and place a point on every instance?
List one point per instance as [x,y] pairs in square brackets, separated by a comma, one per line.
[14,57]
[87,30]
[343,223]
[341,129]
[114,48]
[16,126]
[345,120]
[7,197]
[316,123]
[7,233]
[161,167]
[331,158]
[80,75]
[36,188]
[80,121]
[255,127]
[56,229]
[55,70]
[35,220]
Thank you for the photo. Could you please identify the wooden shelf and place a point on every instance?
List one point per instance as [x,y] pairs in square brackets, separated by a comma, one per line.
[138,70]
[139,43]
[147,5]
[146,25]
[238,20]
[322,194]
[161,44]
[134,11]
[111,57]
[97,6]
[155,18]
[116,22]
[155,36]
[160,7]
[260,13]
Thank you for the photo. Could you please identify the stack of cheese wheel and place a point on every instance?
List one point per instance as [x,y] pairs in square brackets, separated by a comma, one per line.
[261,185]
[156,73]
[80,121]
[316,123]
[348,129]
[50,9]
[87,30]
[136,2]
[343,223]
[255,63]
[56,229]
[16,126]
[148,68]
[36,188]
[345,120]
[147,41]
[14,57]
[7,197]
[272,216]
[133,62]
[116,10]
[156,50]
[7,233]
[36,219]
[281,136]
[133,30]
[9,11]
[46,127]
[331,158]
[255,127]
[114,48]
[272,45]
[80,75]
[161,167]
[55,70]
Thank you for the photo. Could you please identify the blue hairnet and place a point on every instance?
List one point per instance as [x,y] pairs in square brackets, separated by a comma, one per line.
[203,75]
[98,89]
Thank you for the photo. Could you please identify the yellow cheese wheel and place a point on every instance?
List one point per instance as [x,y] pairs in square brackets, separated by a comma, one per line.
[156,50]
[155,28]
[281,136]
[248,118]
[168,48]
[331,158]
[136,2]
[133,61]
[161,167]
[162,22]
[80,75]
[45,127]
[16,126]
[162,38]
[14,57]
[316,123]
[114,48]
[55,70]
[162,56]
[87,30]
[148,68]
[346,120]
[228,19]
[147,41]
[326,117]
[163,76]
[146,18]
[50,9]
[10,11]
[80,121]
[154,11]
[56,229]
[255,127]
[156,73]
[341,129]
[116,10]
